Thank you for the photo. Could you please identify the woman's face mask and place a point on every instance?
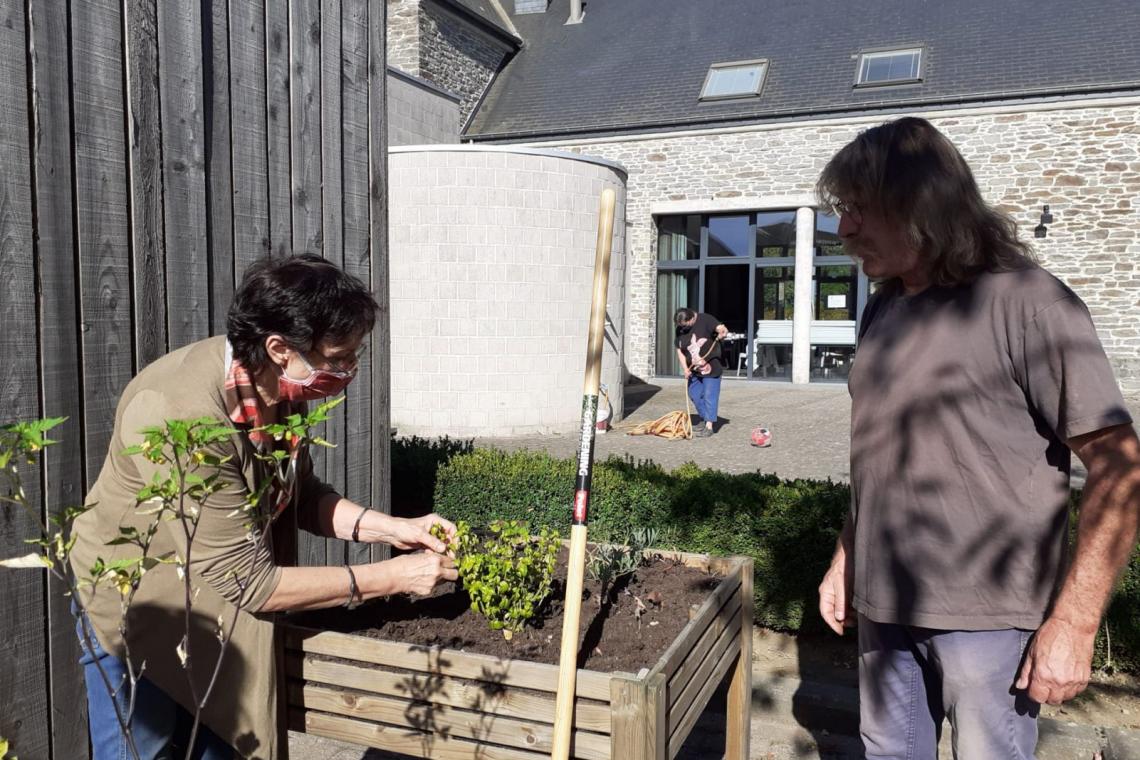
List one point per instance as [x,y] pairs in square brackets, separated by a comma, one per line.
[319,383]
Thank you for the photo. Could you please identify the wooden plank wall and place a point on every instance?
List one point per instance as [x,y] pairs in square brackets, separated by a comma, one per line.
[151,152]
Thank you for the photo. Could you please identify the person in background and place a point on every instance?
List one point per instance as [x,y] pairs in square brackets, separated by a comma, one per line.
[699,351]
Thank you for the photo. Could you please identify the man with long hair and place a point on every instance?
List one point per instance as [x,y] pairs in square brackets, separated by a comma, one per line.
[977,374]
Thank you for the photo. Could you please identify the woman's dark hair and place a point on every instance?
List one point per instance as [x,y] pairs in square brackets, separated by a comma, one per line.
[305,299]
[911,173]
[683,315]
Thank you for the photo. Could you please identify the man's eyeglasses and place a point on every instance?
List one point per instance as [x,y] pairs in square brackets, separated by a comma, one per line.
[850,210]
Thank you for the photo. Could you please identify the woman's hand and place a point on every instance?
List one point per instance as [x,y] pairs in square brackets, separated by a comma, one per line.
[421,572]
[414,533]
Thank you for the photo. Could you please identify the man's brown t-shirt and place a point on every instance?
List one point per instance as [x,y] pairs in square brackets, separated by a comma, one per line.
[962,401]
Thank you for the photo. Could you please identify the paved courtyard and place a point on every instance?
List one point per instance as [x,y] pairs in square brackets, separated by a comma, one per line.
[810,428]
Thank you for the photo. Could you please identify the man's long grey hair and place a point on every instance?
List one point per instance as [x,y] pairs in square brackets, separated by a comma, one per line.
[908,171]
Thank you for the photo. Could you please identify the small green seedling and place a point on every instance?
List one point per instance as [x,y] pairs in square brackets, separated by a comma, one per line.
[609,562]
[507,573]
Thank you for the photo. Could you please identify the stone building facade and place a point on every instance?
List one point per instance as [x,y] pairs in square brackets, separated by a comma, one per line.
[1080,157]
[434,41]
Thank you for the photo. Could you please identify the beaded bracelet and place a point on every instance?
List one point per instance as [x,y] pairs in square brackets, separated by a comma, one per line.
[356,525]
[353,592]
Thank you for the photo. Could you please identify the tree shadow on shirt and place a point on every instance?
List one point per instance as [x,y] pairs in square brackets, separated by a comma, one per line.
[937,544]
[156,636]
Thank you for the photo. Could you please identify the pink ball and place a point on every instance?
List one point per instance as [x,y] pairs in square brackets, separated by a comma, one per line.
[761,437]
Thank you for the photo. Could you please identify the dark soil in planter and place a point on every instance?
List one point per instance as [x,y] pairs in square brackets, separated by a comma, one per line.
[613,637]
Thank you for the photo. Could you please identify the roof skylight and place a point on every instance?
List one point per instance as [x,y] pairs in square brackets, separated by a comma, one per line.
[889,67]
[741,79]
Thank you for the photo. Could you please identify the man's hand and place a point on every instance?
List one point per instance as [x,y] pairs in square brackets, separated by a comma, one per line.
[835,595]
[1057,663]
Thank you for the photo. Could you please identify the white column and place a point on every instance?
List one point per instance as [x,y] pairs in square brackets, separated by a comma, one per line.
[801,319]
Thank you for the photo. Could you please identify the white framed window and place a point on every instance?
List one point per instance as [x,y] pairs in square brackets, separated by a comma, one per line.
[738,79]
[889,67]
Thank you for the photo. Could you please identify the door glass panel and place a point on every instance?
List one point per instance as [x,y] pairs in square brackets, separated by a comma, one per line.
[836,290]
[679,238]
[831,363]
[775,292]
[775,234]
[726,298]
[827,242]
[728,236]
[675,290]
[772,362]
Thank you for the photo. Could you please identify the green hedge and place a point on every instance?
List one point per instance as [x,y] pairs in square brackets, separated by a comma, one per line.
[415,463]
[788,527]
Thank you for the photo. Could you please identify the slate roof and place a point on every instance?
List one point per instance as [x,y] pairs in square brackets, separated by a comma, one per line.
[638,65]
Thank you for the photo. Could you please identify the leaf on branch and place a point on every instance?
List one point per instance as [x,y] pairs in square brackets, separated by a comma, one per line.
[34,560]
[181,651]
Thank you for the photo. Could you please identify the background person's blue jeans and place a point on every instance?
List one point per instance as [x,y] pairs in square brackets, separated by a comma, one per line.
[705,393]
[910,678]
[161,727]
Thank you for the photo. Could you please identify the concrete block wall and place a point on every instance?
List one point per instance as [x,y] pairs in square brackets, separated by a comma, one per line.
[1081,158]
[491,268]
[419,113]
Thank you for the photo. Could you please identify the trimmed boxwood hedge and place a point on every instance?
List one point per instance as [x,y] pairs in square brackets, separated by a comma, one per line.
[789,527]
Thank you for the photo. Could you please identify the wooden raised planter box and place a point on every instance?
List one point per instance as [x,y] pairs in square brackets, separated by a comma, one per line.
[443,703]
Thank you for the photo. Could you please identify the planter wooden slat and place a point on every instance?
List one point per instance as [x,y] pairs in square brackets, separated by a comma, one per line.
[445,691]
[689,635]
[738,737]
[725,623]
[415,743]
[683,725]
[478,725]
[448,662]
[657,718]
[680,701]
[441,703]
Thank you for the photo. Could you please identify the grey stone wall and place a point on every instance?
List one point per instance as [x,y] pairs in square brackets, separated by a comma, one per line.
[431,42]
[404,35]
[419,113]
[1083,161]
[455,56]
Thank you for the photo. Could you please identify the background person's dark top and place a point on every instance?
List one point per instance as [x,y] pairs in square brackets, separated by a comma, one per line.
[963,399]
[702,338]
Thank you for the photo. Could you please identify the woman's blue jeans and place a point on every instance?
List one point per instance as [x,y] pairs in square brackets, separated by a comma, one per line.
[705,393]
[160,726]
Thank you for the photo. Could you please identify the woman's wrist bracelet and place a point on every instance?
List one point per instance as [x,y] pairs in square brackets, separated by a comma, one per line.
[353,590]
[356,525]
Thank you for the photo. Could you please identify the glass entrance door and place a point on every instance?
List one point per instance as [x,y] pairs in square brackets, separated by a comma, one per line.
[740,268]
[773,307]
